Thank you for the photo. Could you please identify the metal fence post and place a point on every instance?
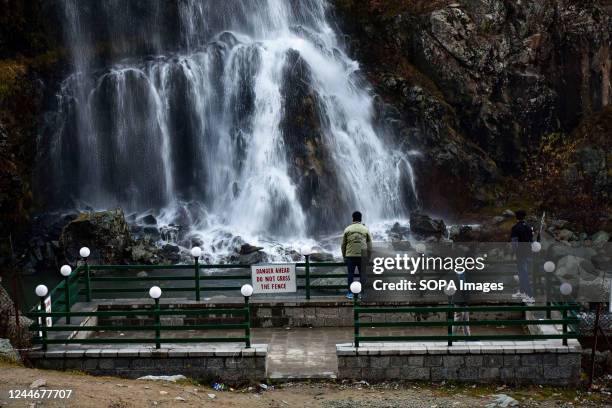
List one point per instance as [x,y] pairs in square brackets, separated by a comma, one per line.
[197,278]
[535,276]
[157,324]
[307,277]
[43,323]
[67,293]
[356,318]
[565,325]
[247,330]
[87,281]
[450,318]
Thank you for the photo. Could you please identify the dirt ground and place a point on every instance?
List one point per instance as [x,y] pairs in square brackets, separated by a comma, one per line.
[101,392]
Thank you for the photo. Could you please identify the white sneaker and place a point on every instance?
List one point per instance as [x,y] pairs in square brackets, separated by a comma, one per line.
[529,300]
[518,295]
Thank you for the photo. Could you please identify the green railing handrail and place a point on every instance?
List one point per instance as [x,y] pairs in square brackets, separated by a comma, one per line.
[154,312]
[567,322]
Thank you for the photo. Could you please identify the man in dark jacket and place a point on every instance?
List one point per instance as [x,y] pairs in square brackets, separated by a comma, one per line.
[521,237]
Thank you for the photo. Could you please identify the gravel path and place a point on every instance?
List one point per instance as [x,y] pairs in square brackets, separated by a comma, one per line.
[100,392]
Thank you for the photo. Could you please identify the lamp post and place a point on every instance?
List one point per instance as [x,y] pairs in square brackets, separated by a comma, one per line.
[549,267]
[566,289]
[42,291]
[306,253]
[247,290]
[356,290]
[66,270]
[84,252]
[196,252]
[155,293]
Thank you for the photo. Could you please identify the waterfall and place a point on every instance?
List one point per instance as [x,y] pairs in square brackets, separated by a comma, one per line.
[242,114]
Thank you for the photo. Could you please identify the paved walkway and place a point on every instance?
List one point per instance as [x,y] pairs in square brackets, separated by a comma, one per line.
[302,353]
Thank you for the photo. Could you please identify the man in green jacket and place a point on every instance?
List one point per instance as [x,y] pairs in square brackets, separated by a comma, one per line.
[355,241]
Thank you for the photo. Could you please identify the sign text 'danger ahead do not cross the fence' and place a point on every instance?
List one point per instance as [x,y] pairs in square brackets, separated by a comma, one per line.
[273,278]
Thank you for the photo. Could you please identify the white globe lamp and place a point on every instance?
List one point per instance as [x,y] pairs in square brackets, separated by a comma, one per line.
[155,292]
[196,252]
[41,291]
[84,252]
[549,266]
[66,270]
[246,290]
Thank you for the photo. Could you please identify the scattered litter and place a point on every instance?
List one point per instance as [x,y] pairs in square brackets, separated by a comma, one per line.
[212,396]
[171,378]
[38,383]
[162,392]
[219,386]
[502,401]
[180,399]
[266,387]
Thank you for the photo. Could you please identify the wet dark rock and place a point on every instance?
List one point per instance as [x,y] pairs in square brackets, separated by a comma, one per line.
[18,335]
[310,165]
[321,257]
[106,233]
[170,253]
[508,214]
[474,86]
[399,231]
[148,220]
[249,259]
[424,225]
[600,238]
[247,249]
[196,241]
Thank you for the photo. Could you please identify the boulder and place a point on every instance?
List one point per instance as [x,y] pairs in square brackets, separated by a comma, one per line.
[170,253]
[508,214]
[18,335]
[321,257]
[575,269]
[106,233]
[564,235]
[424,225]
[247,249]
[560,250]
[464,233]
[7,351]
[249,259]
[148,220]
[398,230]
[498,219]
[600,238]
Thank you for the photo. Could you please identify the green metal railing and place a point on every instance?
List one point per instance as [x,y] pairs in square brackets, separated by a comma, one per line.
[155,312]
[82,285]
[568,320]
[199,280]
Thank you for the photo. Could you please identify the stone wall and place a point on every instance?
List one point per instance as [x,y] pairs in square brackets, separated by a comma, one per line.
[520,362]
[228,363]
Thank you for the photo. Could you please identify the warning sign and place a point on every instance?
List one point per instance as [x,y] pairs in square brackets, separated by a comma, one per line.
[273,278]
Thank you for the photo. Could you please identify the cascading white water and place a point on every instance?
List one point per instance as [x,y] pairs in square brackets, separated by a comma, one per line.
[185,111]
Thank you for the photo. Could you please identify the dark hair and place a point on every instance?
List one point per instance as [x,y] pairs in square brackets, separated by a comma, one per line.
[357,216]
[520,215]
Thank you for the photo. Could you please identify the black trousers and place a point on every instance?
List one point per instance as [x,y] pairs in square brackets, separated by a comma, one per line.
[352,263]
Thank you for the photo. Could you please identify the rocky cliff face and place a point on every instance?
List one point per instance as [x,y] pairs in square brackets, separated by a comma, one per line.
[476,84]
